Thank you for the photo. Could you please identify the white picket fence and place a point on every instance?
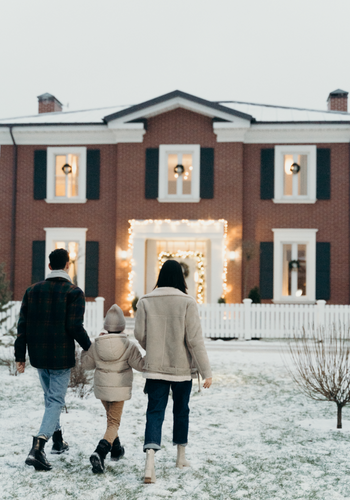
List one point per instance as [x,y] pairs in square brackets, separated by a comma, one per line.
[247,320]
[93,318]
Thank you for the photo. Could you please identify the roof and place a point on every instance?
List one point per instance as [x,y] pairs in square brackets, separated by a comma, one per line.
[258,113]
[339,92]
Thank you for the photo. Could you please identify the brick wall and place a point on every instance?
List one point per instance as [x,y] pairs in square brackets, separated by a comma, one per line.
[6,183]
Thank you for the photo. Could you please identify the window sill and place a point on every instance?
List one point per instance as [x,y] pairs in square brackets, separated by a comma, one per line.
[179,200]
[297,201]
[65,200]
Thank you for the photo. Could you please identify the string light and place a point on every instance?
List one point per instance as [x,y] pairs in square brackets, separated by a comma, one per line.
[173,223]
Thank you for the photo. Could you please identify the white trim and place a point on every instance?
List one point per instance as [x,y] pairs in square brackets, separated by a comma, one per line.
[301,236]
[64,234]
[179,230]
[50,175]
[164,150]
[230,132]
[300,133]
[280,151]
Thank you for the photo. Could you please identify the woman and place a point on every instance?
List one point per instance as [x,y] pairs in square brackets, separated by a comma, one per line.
[168,328]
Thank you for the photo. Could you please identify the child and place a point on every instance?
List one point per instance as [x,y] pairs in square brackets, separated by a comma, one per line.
[113,355]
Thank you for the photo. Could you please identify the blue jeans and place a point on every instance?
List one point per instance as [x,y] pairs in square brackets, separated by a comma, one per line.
[158,392]
[54,384]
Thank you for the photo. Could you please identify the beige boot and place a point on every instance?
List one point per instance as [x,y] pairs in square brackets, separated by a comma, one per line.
[150,475]
[181,459]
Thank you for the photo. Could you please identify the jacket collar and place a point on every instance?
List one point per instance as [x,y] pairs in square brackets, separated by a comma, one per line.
[163,291]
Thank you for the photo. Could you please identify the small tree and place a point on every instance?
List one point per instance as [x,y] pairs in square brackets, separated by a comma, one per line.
[7,337]
[322,365]
[80,379]
[5,295]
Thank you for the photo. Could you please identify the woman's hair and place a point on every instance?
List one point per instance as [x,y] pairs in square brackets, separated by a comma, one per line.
[171,274]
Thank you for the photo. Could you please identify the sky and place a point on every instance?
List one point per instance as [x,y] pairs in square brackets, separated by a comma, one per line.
[92,54]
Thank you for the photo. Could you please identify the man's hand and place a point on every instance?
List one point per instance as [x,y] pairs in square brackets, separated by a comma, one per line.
[207,383]
[20,365]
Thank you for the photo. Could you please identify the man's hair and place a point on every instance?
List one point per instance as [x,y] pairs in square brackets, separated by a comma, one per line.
[59,258]
[172,275]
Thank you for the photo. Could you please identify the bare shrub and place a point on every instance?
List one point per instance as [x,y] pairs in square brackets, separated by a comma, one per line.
[321,365]
[80,379]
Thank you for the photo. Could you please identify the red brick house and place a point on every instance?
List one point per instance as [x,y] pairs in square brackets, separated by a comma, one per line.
[242,194]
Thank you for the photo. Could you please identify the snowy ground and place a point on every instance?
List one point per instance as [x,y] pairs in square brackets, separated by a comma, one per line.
[252,436]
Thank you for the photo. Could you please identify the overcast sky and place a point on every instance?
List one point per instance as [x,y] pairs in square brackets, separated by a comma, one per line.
[99,53]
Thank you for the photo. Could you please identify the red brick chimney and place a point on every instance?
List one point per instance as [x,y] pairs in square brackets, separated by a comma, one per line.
[48,103]
[338,100]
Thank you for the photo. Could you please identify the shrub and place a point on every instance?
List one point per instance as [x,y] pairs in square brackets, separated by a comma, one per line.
[254,294]
[80,379]
[134,303]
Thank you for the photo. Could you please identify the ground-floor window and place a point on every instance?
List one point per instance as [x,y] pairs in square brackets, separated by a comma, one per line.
[294,265]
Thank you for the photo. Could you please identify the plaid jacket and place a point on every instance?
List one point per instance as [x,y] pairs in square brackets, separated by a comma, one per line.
[51,318]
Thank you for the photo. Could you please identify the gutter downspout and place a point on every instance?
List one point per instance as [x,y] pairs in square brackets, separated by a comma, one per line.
[14,210]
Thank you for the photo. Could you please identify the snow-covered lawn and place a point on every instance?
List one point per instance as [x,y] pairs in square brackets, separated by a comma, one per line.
[252,436]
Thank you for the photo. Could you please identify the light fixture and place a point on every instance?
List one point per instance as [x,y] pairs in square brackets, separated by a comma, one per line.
[179,169]
[124,254]
[294,168]
[67,169]
[232,256]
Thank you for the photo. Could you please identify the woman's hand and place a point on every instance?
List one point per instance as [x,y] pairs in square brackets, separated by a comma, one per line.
[207,383]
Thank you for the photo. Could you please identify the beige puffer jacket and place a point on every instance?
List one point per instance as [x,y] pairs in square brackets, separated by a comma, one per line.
[168,328]
[113,355]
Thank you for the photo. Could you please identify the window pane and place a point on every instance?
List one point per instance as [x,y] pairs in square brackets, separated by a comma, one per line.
[302,175]
[301,290]
[286,272]
[60,178]
[60,244]
[187,175]
[73,247]
[172,180]
[73,161]
[288,175]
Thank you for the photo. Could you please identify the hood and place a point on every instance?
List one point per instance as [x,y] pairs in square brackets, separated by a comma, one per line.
[111,347]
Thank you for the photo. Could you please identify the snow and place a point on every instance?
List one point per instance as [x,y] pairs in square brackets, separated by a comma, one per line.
[252,436]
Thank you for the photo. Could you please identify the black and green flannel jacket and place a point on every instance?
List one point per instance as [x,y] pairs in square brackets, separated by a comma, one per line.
[51,318]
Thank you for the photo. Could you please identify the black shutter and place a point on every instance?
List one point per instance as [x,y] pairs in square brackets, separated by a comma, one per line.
[91,269]
[207,173]
[267,174]
[152,166]
[38,261]
[323,191]
[40,174]
[323,271]
[93,174]
[266,270]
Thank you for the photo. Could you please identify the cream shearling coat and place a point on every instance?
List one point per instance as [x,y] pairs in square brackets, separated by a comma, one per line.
[113,356]
[168,328]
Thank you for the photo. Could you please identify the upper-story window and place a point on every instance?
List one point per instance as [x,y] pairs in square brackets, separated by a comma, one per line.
[295,174]
[179,174]
[66,175]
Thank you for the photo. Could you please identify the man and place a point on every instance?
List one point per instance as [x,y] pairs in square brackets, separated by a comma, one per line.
[51,318]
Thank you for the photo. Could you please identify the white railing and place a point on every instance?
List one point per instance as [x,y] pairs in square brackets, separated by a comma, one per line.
[93,318]
[247,320]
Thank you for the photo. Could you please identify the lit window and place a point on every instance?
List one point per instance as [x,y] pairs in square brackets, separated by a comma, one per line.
[294,265]
[66,175]
[72,248]
[179,173]
[295,174]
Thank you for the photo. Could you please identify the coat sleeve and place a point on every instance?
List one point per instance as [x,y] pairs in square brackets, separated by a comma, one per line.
[136,360]
[21,340]
[75,317]
[87,359]
[195,342]
[140,325]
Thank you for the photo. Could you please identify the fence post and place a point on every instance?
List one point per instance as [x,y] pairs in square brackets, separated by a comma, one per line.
[99,312]
[320,313]
[247,318]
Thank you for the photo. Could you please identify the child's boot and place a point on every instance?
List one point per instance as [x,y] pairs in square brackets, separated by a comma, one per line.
[181,459]
[117,450]
[97,459]
[150,474]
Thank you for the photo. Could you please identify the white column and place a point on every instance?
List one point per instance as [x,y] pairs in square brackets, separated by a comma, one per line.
[217,269]
[139,257]
[99,313]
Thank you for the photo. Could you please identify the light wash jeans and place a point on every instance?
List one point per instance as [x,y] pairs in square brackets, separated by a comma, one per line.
[54,384]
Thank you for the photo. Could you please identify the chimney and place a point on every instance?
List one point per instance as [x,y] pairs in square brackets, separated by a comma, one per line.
[48,103]
[338,100]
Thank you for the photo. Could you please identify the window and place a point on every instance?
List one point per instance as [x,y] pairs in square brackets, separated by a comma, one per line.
[294,265]
[73,240]
[66,175]
[179,173]
[295,174]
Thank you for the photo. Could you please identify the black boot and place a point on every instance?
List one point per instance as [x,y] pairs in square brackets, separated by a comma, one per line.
[59,446]
[97,459]
[37,457]
[117,450]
